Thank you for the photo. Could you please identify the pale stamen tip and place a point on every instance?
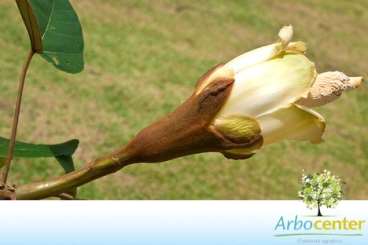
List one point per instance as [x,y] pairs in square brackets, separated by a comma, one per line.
[286,34]
[356,81]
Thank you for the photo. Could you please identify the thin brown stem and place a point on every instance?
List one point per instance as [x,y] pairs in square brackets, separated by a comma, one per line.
[8,160]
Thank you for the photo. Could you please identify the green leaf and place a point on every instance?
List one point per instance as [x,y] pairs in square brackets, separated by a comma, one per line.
[55,32]
[62,152]
[66,163]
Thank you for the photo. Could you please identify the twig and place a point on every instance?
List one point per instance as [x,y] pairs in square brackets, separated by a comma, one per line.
[94,170]
[7,164]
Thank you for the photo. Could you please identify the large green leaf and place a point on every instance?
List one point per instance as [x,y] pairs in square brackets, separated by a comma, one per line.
[55,32]
[62,152]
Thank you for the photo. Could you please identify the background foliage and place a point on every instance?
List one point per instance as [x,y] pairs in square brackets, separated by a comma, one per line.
[142,60]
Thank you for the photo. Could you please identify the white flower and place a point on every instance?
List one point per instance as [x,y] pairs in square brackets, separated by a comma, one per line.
[273,86]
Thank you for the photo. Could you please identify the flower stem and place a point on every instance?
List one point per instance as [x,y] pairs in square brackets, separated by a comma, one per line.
[8,160]
[91,171]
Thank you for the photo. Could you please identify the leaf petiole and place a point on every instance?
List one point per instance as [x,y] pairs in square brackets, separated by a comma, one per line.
[9,158]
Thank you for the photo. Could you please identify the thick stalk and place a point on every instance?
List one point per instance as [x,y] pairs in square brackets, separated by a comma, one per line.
[9,158]
[93,170]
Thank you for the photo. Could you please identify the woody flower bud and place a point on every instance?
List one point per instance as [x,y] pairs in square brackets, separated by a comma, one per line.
[256,99]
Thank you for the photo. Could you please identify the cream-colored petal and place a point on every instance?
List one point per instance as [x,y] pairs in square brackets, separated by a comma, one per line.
[269,86]
[218,73]
[255,56]
[294,122]
[267,52]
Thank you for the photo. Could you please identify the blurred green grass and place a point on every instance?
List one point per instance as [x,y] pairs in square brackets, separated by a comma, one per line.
[142,60]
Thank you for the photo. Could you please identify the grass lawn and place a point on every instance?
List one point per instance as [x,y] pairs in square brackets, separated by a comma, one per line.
[142,60]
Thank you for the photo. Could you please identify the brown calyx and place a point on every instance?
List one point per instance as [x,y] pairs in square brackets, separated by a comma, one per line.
[187,130]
